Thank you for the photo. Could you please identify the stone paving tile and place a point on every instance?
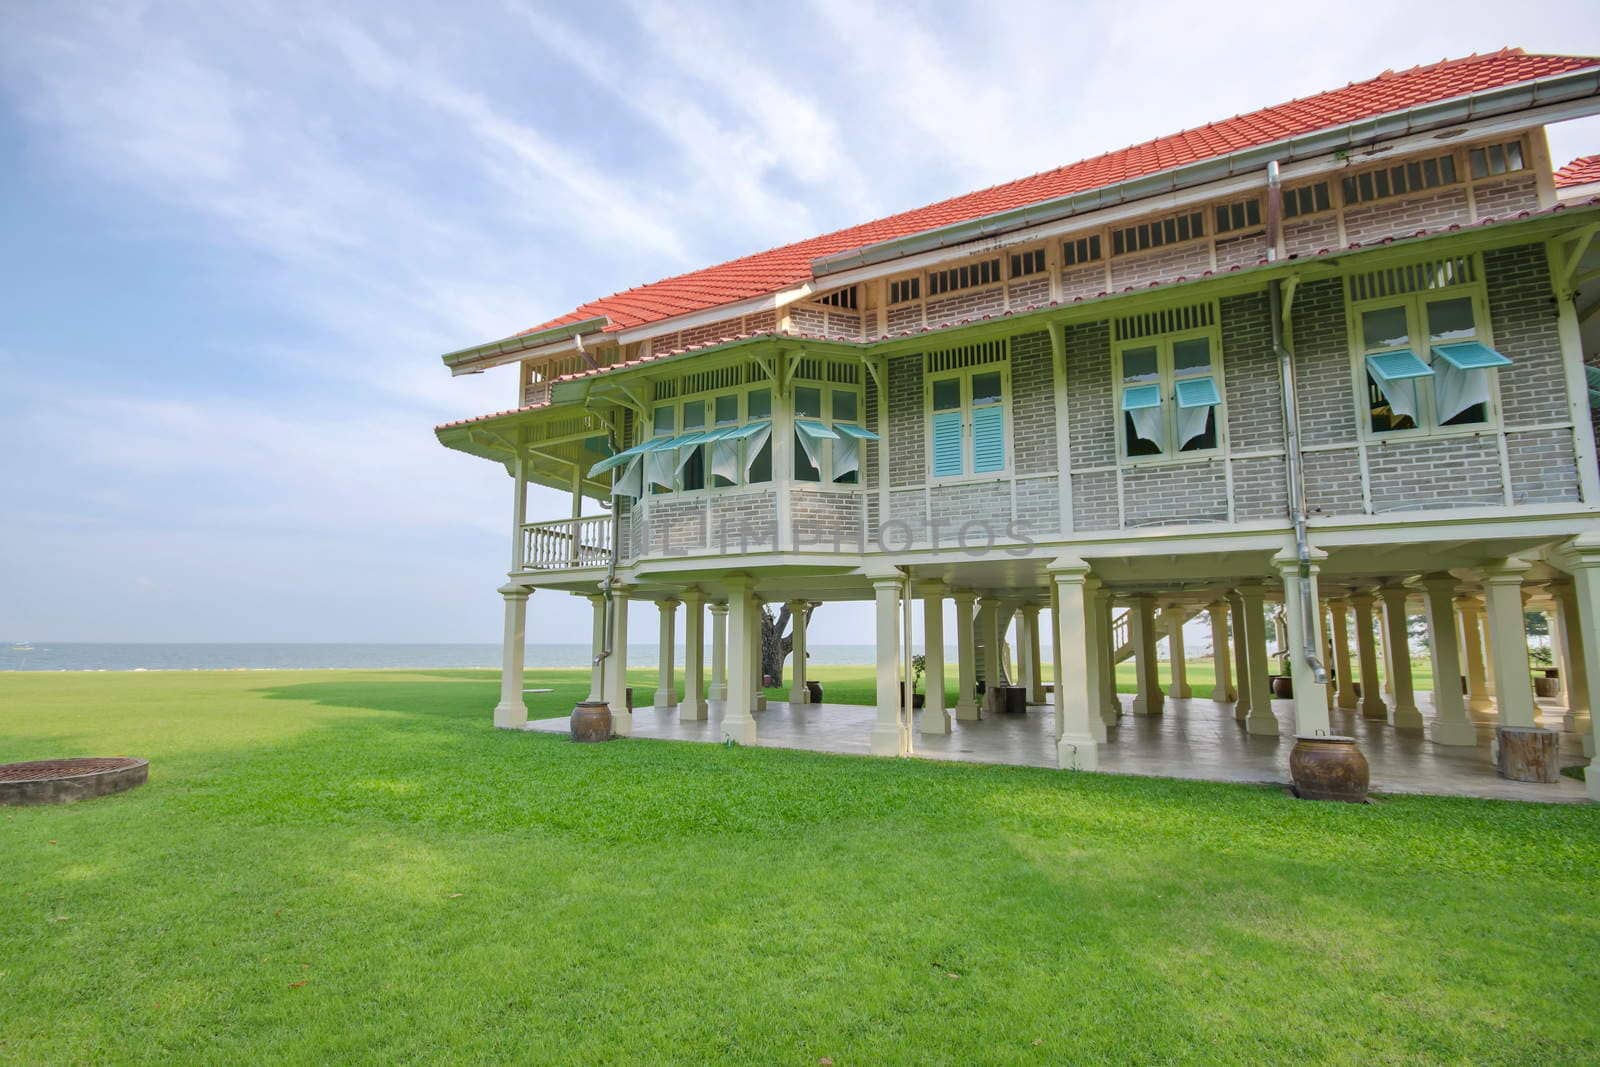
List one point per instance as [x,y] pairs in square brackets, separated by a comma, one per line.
[1193,739]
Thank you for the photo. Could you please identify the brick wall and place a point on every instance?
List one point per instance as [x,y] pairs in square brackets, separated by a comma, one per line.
[761,322]
[909,509]
[1523,317]
[1038,507]
[1033,404]
[904,443]
[987,504]
[811,320]
[1303,237]
[1087,280]
[1333,481]
[1250,370]
[667,525]
[1324,397]
[904,317]
[1450,472]
[1260,489]
[872,454]
[1188,260]
[1245,250]
[1175,494]
[1544,466]
[1094,501]
[1029,291]
[966,305]
[755,514]
[821,518]
[1090,420]
[1386,218]
[1507,196]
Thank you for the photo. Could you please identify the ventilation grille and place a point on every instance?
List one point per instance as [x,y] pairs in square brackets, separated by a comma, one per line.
[821,370]
[1167,320]
[840,298]
[709,381]
[967,356]
[1412,278]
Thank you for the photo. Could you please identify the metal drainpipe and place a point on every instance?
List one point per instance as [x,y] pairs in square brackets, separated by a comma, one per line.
[606,588]
[1309,651]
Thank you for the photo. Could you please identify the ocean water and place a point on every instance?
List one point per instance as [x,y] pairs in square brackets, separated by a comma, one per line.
[69,656]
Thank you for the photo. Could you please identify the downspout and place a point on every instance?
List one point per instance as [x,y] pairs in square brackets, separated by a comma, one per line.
[1310,653]
[607,586]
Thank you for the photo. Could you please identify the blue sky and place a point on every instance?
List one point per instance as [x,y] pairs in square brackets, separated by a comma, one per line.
[234,239]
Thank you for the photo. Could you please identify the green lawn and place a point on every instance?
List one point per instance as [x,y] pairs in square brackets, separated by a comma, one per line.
[354,867]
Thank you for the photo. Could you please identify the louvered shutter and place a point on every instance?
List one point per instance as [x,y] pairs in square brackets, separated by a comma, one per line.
[946,444]
[989,439]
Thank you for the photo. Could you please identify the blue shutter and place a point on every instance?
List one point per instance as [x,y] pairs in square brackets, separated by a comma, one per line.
[946,443]
[988,439]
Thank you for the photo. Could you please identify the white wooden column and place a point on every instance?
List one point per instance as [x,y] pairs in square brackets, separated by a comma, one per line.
[1508,643]
[616,670]
[1027,666]
[597,643]
[1372,706]
[512,712]
[1221,662]
[758,692]
[666,674]
[1110,703]
[1583,561]
[1178,655]
[1261,719]
[1142,631]
[1345,683]
[935,720]
[693,708]
[1404,714]
[1241,660]
[797,652]
[966,658]
[1080,731]
[1301,606]
[719,652]
[887,735]
[738,722]
[1574,666]
[1480,705]
[1450,723]
[1030,616]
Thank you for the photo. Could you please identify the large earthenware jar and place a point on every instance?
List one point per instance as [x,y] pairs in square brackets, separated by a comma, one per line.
[1283,686]
[591,721]
[1328,768]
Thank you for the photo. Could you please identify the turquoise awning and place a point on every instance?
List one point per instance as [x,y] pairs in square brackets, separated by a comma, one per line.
[626,454]
[857,432]
[815,430]
[1397,366]
[1470,355]
[1198,393]
[749,429]
[1139,397]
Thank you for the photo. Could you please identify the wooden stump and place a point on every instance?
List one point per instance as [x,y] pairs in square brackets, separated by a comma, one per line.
[1528,754]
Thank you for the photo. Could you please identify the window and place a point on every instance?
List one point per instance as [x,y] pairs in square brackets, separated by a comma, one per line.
[967,430]
[828,433]
[1160,232]
[1400,179]
[1238,216]
[1168,393]
[1082,250]
[1490,160]
[1306,200]
[840,298]
[1427,364]
[1026,263]
[716,441]
[972,275]
[905,289]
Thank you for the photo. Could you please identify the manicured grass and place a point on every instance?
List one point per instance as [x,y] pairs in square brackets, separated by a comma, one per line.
[344,866]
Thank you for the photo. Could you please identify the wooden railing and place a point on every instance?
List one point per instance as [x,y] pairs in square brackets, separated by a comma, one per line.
[567,543]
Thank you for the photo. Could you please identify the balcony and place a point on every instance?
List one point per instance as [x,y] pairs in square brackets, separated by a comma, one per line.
[567,544]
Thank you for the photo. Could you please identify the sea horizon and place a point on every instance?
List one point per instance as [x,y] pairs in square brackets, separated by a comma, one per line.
[331,655]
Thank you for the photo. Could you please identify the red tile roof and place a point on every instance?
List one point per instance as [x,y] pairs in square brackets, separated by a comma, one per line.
[1580,171]
[779,268]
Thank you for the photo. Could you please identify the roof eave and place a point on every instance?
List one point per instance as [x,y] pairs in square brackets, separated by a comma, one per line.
[480,357]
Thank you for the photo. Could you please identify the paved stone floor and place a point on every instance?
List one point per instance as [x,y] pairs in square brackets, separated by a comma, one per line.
[1193,739]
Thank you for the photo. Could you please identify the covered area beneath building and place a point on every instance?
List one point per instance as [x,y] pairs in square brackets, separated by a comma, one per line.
[1283,644]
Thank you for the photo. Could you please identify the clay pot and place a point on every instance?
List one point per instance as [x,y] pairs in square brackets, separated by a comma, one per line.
[1282,686]
[814,690]
[1328,768]
[591,721]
